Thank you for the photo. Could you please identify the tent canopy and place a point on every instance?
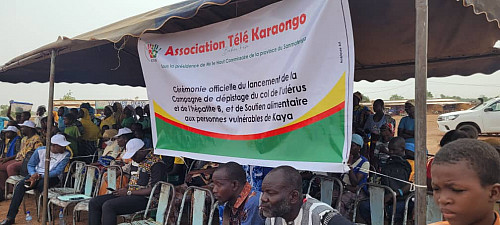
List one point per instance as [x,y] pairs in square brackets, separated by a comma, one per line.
[460,41]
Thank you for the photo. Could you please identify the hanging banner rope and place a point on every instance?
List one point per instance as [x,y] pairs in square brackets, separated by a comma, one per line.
[272,87]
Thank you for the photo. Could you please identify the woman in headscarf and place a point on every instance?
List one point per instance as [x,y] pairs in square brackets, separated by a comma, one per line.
[129,119]
[109,119]
[91,110]
[61,112]
[118,112]
[88,142]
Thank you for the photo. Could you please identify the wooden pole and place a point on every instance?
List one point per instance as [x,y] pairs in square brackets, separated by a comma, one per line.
[50,121]
[421,38]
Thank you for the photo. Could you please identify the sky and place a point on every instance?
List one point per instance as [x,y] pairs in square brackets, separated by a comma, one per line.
[29,24]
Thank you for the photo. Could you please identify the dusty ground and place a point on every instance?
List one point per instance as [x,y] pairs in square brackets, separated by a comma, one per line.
[433,138]
[30,206]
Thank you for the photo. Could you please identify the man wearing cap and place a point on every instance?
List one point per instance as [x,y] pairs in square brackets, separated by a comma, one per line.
[29,143]
[104,209]
[357,175]
[59,158]
[9,150]
[406,128]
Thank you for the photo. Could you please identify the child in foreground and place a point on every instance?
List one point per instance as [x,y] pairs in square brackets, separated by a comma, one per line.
[466,182]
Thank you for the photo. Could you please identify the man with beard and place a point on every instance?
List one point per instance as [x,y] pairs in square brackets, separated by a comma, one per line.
[282,201]
[240,202]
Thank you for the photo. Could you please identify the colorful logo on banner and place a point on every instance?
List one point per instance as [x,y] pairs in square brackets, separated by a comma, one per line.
[152,51]
[268,88]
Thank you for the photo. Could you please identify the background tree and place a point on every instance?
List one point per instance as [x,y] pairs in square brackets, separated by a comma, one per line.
[365,99]
[485,99]
[3,110]
[68,96]
[395,97]
[429,95]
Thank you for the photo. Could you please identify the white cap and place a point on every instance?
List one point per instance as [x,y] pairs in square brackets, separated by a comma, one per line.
[28,123]
[123,131]
[11,128]
[60,140]
[133,145]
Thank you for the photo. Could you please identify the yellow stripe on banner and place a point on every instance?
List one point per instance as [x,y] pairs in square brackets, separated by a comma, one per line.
[163,113]
[332,99]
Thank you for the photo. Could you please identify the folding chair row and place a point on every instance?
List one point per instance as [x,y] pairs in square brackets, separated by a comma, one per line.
[327,187]
[198,207]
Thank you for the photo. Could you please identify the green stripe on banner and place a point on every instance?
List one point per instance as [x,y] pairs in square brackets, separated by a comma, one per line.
[327,136]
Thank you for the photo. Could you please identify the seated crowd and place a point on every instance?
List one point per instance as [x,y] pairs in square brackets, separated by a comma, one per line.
[246,194]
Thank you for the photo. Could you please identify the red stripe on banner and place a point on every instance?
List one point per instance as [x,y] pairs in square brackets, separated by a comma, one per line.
[266,134]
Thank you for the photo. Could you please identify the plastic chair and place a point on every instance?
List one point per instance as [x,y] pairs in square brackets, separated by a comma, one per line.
[198,197]
[167,192]
[13,180]
[112,173]
[327,185]
[377,206]
[73,182]
[407,207]
[90,190]
[433,212]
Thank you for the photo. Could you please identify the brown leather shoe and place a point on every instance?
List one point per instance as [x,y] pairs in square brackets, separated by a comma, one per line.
[7,221]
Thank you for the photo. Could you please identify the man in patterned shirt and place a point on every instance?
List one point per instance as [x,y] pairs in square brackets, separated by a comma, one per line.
[104,209]
[283,202]
[241,204]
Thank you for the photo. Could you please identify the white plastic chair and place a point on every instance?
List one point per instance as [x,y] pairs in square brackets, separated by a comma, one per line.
[90,189]
[198,209]
[165,202]
[112,173]
[327,185]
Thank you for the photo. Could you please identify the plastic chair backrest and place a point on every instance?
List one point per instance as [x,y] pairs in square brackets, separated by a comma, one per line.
[198,205]
[377,206]
[407,207]
[112,173]
[433,212]
[91,181]
[167,191]
[76,169]
[327,185]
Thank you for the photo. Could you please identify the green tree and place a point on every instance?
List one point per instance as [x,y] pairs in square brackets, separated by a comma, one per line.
[365,99]
[3,110]
[429,95]
[485,99]
[451,97]
[396,97]
[68,96]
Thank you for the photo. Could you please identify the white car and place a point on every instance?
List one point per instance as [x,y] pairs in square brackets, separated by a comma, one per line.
[484,118]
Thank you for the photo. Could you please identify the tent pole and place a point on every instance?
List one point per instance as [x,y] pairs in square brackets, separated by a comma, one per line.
[421,38]
[50,121]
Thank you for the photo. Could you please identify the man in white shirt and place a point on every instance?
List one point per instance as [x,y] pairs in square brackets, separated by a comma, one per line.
[59,158]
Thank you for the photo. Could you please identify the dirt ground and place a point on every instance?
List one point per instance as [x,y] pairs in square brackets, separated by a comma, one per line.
[30,206]
[433,138]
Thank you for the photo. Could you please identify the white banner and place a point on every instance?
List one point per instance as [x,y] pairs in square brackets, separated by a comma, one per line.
[269,88]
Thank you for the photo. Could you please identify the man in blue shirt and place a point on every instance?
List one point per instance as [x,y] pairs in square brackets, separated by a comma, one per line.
[59,158]
[232,189]
[406,127]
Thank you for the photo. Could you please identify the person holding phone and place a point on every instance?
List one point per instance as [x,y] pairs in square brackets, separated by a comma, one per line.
[59,158]
[105,208]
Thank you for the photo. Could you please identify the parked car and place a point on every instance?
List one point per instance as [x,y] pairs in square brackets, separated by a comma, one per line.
[484,118]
